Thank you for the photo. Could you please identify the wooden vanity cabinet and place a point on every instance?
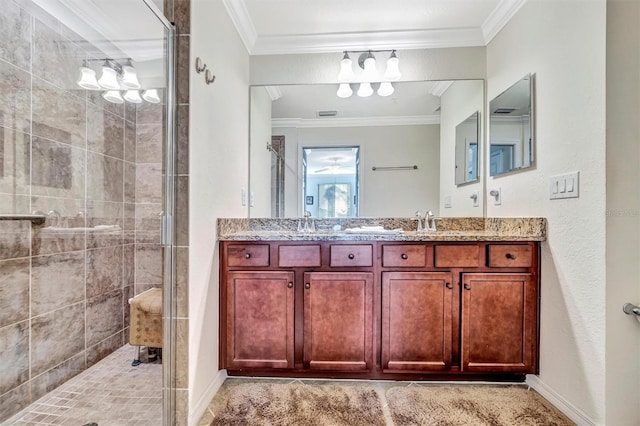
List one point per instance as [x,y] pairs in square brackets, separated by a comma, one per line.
[380,309]
[259,319]
[416,321]
[338,320]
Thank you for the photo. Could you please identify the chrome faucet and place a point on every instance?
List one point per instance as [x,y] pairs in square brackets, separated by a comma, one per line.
[419,220]
[429,221]
[308,224]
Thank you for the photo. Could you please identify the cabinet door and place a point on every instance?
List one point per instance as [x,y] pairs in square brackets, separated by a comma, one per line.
[499,325]
[338,320]
[260,319]
[416,321]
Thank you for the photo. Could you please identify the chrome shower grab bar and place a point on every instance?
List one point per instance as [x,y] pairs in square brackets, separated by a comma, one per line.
[631,309]
[36,219]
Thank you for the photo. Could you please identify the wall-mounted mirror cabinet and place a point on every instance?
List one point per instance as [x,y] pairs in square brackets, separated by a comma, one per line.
[511,134]
[467,137]
[376,156]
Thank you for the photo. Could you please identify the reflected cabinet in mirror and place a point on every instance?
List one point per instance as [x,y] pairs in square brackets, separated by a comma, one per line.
[511,133]
[376,156]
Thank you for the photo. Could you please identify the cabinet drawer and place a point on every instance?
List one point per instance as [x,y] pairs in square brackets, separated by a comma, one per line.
[459,255]
[248,255]
[351,255]
[407,255]
[510,255]
[292,256]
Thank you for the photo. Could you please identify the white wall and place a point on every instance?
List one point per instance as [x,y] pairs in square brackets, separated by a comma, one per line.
[461,99]
[623,211]
[260,160]
[563,43]
[218,157]
[382,193]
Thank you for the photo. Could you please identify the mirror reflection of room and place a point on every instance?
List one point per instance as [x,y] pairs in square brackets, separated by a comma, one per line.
[512,143]
[408,137]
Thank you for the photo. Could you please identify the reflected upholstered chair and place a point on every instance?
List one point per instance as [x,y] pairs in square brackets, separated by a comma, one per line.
[146,321]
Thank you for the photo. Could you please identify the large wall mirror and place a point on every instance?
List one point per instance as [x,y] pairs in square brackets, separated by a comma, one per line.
[375,156]
[511,133]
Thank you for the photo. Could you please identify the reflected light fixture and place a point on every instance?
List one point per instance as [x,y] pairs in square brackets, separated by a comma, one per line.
[365,90]
[87,78]
[344,90]
[385,89]
[113,96]
[133,96]
[151,96]
[130,77]
[109,78]
[393,70]
[369,74]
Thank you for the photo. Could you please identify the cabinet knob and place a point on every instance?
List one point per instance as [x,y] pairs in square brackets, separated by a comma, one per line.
[290,285]
[449,285]
[467,287]
[307,286]
[247,255]
[404,256]
[351,256]
[510,256]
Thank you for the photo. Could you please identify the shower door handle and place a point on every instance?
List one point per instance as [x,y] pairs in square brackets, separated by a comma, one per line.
[631,309]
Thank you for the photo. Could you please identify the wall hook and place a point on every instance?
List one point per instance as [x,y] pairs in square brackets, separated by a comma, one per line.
[200,66]
[208,77]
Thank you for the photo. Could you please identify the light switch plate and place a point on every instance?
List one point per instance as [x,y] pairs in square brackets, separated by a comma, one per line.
[447,202]
[564,186]
[243,196]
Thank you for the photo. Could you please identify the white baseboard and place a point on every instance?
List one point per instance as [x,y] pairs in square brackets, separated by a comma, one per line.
[568,409]
[207,396]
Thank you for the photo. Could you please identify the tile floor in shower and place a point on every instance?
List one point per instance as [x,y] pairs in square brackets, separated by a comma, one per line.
[110,393]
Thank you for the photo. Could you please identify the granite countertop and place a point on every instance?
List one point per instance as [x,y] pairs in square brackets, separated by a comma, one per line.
[448,229]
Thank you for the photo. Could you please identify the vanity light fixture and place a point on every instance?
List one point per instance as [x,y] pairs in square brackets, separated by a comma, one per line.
[116,80]
[367,61]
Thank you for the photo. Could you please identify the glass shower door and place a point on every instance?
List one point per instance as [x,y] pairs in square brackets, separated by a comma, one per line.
[86,146]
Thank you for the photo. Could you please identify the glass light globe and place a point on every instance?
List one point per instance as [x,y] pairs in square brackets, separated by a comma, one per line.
[109,78]
[393,70]
[133,96]
[365,90]
[346,69]
[385,89]
[344,91]
[87,79]
[113,96]
[151,96]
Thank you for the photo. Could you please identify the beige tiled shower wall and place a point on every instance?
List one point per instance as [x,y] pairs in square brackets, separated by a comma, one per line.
[96,166]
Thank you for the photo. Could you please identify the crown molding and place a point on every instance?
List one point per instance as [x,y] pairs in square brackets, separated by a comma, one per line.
[237,11]
[500,16]
[416,120]
[336,42]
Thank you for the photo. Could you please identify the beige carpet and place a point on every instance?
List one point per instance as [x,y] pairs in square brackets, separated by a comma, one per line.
[331,403]
[471,405]
[300,404]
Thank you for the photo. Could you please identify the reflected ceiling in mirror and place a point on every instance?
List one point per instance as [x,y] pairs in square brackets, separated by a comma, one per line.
[511,128]
[393,134]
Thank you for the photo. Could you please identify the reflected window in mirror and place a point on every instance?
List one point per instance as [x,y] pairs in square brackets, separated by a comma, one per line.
[511,128]
[331,181]
[467,137]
